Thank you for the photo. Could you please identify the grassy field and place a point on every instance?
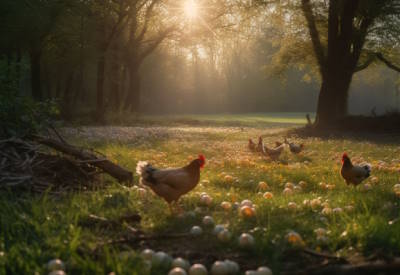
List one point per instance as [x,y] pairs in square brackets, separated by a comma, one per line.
[239,120]
[354,223]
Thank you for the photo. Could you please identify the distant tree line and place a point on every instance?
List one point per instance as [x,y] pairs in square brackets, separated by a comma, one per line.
[133,56]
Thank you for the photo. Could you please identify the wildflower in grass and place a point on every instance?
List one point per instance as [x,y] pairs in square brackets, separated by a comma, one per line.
[247,211]
[226,205]
[326,211]
[287,192]
[262,185]
[268,195]
[294,239]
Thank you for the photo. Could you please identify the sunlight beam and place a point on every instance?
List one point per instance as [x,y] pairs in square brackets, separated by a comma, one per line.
[190,9]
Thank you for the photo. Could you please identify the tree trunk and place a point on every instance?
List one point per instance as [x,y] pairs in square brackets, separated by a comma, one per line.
[132,102]
[66,101]
[115,97]
[333,97]
[100,87]
[35,56]
[18,66]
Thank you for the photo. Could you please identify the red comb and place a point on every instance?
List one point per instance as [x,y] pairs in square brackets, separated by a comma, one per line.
[344,156]
[202,159]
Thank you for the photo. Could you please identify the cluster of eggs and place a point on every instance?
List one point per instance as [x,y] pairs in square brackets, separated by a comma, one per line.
[326,186]
[291,188]
[180,266]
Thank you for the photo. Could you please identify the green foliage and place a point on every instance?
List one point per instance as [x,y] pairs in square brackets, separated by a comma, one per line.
[20,115]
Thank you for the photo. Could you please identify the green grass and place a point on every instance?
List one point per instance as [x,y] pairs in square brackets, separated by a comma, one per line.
[240,120]
[37,228]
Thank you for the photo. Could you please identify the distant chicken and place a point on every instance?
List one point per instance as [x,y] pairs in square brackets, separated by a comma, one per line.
[353,174]
[171,183]
[295,148]
[273,153]
[252,145]
[260,145]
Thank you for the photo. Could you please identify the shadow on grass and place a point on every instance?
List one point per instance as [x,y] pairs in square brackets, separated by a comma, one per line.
[380,130]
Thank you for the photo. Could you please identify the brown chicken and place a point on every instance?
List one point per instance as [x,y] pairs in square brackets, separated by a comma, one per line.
[171,183]
[354,174]
[252,145]
[295,148]
[273,153]
[260,145]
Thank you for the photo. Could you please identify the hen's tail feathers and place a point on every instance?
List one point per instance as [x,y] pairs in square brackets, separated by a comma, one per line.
[145,170]
[367,167]
[141,168]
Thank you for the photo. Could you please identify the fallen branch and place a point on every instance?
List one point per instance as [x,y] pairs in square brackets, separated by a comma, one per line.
[24,164]
[323,255]
[119,173]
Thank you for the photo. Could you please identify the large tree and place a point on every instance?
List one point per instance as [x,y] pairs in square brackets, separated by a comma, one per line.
[354,28]
[336,39]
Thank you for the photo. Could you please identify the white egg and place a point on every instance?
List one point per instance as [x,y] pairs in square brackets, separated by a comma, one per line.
[161,258]
[246,240]
[205,200]
[233,267]
[180,262]
[326,211]
[208,221]
[219,268]
[177,271]
[251,272]
[302,184]
[218,228]
[55,264]
[337,210]
[248,203]
[263,270]
[196,230]
[226,205]
[287,191]
[247,211]
[289,185]
[57,272]
[147,254]
[224,235]
[198,269]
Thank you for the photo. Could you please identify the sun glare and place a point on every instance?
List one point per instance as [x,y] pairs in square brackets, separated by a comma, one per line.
[190,8]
